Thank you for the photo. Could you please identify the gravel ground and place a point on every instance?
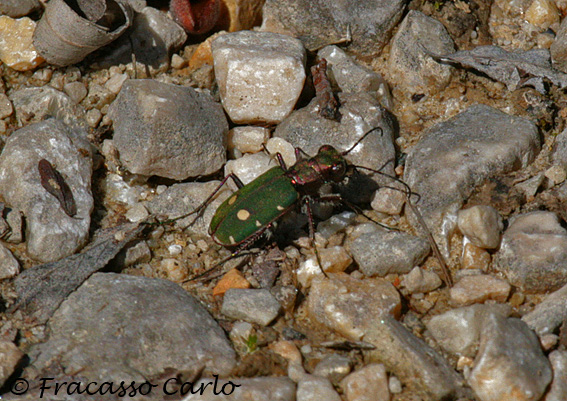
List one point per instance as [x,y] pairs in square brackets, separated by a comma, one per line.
[464,163]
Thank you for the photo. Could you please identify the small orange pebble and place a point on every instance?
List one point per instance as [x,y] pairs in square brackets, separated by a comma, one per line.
[203,53]
[475,258]
[396,283]
[232,279]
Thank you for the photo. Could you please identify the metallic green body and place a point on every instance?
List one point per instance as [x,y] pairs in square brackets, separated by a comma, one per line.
[252,208]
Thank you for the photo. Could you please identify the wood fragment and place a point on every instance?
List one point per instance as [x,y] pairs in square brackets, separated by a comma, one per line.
[328,105]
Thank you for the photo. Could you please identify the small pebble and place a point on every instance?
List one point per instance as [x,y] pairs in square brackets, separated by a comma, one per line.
[75,90]
[174,270]
[334,367]
[542,13]
[178,62]
[335,259]
[114,84]
[137,213]
[479,288]
[395,385]
[249,167]
[388,200]
[16,43]
[232,279]
[175,249]
[367,384]
[250,305]
[98,97]
[421,281]
[93,117]
[556,175]
[481,225]
[351,306]
[137,254]
[202,245]
[6,108]
[475,257]
[284,148]
[248,139]
[9,266]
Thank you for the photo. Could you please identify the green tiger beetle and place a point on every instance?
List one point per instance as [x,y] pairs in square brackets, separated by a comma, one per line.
[246,214]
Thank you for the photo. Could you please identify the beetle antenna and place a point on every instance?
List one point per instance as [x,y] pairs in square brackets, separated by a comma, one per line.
[361,138]
[435,248]
[207,276]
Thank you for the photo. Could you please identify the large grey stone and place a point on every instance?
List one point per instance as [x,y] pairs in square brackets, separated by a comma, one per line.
[457,155]
[168,130]
[18,8]
[120,327]
[410,62]
[320,22]
[51,234]
[509,363]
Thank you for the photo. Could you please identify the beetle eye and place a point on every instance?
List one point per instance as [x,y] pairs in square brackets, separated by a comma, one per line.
[338,171]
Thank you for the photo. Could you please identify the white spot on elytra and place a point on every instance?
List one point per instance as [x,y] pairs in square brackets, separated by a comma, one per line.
[232,241]
[258,224]
[280,208]
[232,200]
[243,214]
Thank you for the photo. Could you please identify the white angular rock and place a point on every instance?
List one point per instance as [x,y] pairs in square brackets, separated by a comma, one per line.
[247,139]
[260,75]
[249,167]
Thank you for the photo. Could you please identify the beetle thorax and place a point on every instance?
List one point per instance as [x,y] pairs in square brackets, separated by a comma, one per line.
[308,176]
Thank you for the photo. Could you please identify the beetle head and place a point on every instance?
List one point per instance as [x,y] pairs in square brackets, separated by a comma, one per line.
[332,164]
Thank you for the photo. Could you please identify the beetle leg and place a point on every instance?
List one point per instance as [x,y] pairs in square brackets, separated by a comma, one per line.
[237,252]
[281,161]
[339,199]
[300,154]
[312,233]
